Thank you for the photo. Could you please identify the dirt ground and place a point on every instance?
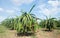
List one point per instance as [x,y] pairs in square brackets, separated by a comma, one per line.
[44,34]
[39,34]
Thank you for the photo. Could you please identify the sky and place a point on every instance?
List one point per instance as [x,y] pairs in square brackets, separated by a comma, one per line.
[43,8]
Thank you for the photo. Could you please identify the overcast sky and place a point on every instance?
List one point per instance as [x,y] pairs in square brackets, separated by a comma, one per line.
[11,8]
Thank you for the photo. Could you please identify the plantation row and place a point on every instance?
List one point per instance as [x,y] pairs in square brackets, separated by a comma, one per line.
[27,23]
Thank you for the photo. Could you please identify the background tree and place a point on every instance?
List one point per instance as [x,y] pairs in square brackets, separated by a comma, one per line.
[48,23]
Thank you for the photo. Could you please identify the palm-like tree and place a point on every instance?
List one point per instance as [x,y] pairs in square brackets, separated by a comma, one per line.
[48,23]
[26,22]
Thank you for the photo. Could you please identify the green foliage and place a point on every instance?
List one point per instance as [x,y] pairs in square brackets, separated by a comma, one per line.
[42,23]
[49,23]
[26,23]
[7,23]
[58,23]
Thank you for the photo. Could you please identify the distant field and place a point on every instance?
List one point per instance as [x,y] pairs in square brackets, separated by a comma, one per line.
[6,33]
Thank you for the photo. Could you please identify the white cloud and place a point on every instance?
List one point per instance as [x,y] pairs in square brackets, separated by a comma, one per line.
[20,2]
[53,8]
[54,3]
[16,9]
[10,11]
[53,0]
[1,9]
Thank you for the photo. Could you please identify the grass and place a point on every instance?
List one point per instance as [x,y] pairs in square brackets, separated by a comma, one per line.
[2,31]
